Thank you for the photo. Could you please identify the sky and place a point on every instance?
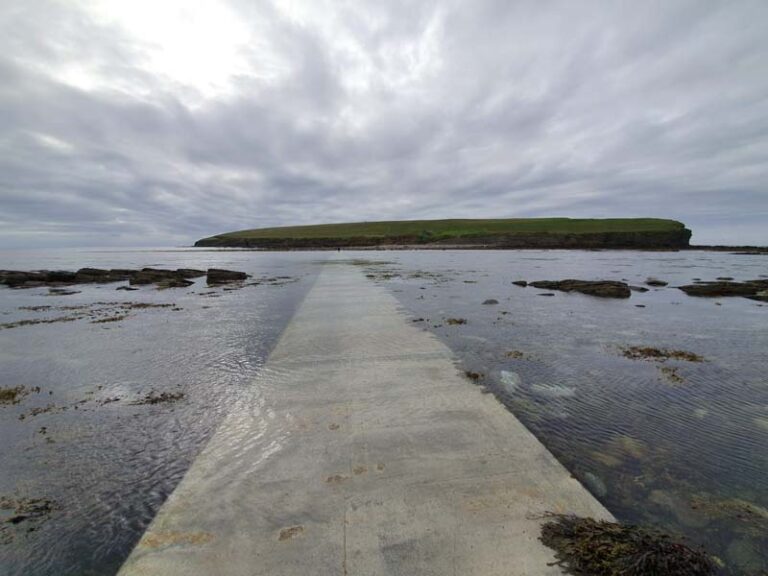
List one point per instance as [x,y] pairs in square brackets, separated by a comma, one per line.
[159,122]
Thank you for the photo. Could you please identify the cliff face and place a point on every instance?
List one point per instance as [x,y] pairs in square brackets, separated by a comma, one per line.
[640,240]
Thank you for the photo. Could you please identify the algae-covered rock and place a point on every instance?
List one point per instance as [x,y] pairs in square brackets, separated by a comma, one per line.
[600,288]
[680,507]
[751,289]
[746,556]
[659,354]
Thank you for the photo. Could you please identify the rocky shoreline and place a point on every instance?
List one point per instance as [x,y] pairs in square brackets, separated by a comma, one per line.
[179,278]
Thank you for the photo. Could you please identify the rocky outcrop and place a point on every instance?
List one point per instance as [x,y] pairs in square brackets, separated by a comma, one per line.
[168,278]
[754,289]
[219,276]
[601,288]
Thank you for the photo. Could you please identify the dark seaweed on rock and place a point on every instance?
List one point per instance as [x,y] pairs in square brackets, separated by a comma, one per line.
[34,279]
[660,354]
[585,546]
[754,289]
[601,288]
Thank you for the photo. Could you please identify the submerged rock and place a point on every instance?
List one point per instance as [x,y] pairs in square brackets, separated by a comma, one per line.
[595,484]
[601,288]
[680,507]
[12,395]
[510,381]
[521,283]
[659,354]
[656,282]
[490,302]
[746,555]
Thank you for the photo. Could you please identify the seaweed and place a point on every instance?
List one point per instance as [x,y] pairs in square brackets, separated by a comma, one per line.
[660,354]
[163,397]
[12,395]
[585,546]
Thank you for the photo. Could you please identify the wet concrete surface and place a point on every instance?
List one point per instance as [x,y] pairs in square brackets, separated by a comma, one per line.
[370,453]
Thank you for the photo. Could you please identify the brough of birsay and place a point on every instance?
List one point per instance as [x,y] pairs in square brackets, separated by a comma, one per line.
[383,289]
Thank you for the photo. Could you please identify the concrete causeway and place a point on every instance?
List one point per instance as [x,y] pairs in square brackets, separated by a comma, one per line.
[362,450]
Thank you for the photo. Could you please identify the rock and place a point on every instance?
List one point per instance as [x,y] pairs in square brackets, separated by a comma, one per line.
[680,507]
[490,302]
[16,278]
[656,282]
[595,484]
[746,556]
[218,276]
[638,289]
[190,273]
[172,278]
[659,354]
[521,283]
[153,276]
[99,276]
[754,289]
[174,283]
[601,288]
[60,276]
[131,288]
[62,292]
[725,278]
[545,294]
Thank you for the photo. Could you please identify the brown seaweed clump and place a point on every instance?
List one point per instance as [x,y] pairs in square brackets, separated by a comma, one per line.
[585,546]
[660,354]
[163,397]
[12,395]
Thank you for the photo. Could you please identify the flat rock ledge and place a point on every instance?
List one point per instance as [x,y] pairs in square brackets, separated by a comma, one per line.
[179,278]
[601,288]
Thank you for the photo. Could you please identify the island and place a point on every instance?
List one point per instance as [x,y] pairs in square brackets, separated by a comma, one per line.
[629,233]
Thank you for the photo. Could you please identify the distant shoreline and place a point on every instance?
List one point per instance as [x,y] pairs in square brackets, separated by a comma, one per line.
[484,234]
[746,250]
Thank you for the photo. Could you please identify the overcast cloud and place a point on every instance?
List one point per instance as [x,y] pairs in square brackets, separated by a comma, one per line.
[159,122]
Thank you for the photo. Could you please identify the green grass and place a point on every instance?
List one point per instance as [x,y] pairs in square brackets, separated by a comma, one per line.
[442,229]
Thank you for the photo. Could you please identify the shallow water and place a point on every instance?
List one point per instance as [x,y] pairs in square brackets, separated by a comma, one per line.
[109,464]
[684,450]
[677,444]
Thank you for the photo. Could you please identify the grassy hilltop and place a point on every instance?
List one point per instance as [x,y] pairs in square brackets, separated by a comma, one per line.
[492,233]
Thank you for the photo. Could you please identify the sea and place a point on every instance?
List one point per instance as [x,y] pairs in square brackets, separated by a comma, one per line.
[119,390]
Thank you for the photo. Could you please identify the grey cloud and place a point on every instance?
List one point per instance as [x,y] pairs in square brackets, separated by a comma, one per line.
[388,110]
